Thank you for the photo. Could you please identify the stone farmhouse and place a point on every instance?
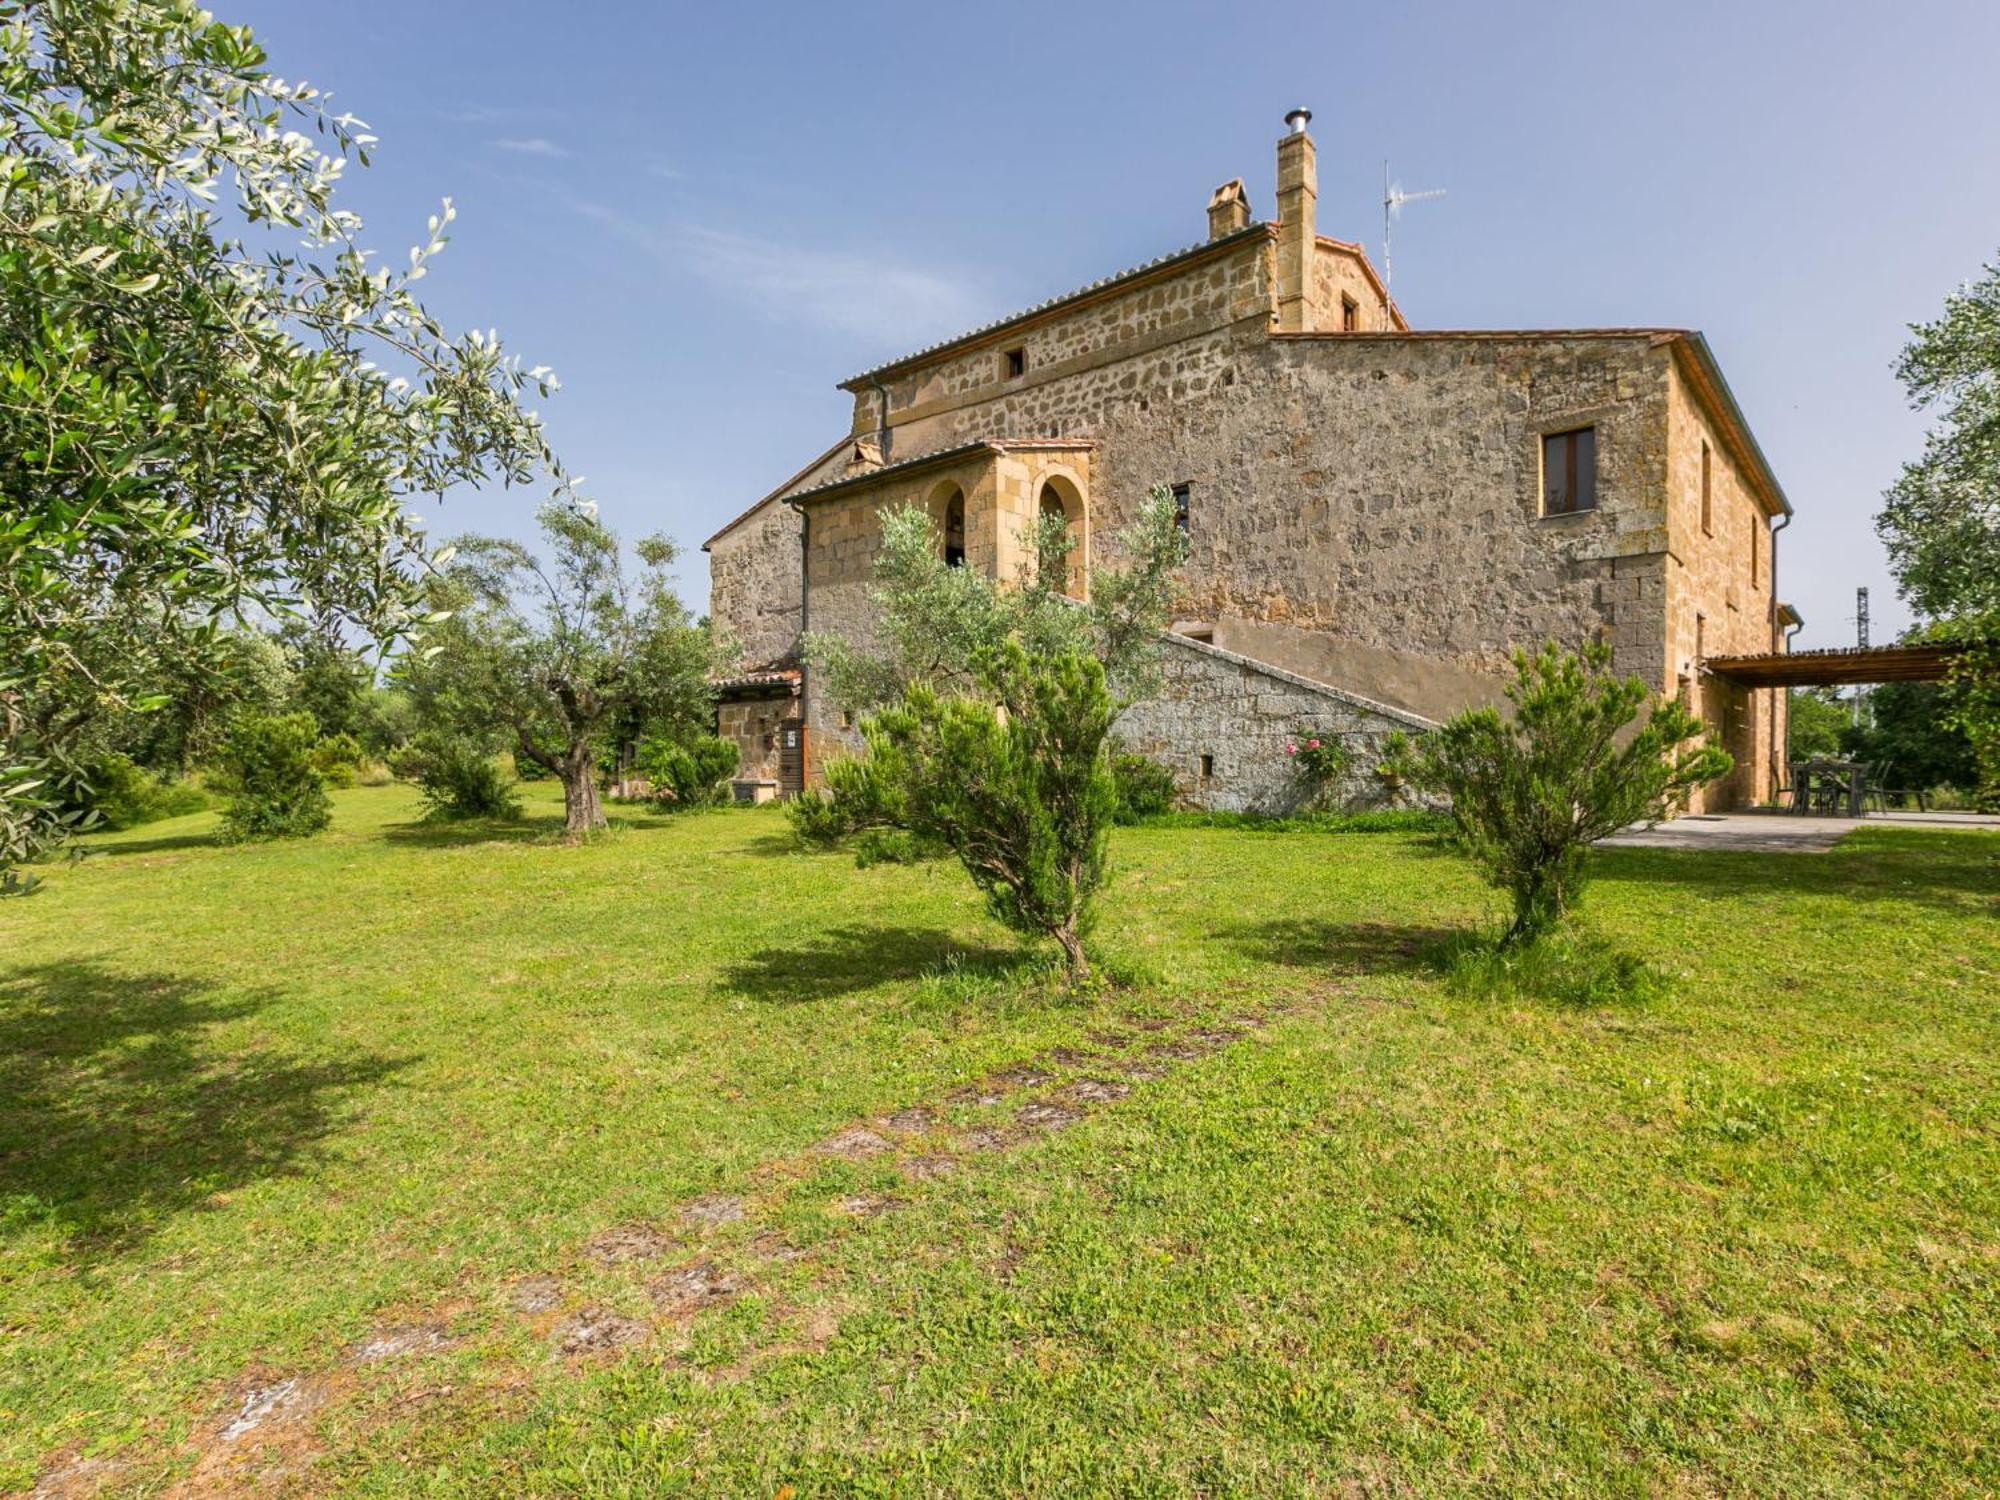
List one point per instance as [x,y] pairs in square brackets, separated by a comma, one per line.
[1377,514]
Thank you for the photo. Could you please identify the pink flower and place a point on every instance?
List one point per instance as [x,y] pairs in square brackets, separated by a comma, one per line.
[1312,744]
[1291,749]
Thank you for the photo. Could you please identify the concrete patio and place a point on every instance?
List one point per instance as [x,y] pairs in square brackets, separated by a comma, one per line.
[1779,833]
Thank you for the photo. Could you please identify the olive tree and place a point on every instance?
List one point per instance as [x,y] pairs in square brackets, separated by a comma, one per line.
[992,705]
[213,397]
[936,622]
[548,654]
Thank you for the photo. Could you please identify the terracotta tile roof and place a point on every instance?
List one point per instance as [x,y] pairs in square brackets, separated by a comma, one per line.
[945,455]
[1131,273]
[763,677]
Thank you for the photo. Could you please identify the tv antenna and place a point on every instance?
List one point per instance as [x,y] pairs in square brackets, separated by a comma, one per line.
[1393,199]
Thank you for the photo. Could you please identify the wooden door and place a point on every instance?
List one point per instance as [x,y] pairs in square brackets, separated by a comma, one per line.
[791,757]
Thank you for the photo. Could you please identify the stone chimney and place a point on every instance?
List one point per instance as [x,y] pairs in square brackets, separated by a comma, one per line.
[1298,200]
[1228,209]
[865,455]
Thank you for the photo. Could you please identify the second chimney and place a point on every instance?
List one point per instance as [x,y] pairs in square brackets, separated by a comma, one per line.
[1228,209]
[1298,201]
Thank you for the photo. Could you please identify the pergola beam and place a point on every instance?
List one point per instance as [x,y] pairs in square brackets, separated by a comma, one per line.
[1924,662]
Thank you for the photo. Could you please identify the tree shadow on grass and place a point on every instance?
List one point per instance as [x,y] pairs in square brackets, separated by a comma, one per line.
[118,1110]
[462,833]
[782,843]
[846,960]
[112,847]
[1340,947]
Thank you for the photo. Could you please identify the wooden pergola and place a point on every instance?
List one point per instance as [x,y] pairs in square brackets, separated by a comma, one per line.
[1924,662]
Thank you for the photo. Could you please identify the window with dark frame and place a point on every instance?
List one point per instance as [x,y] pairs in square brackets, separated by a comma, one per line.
[1707,493]
[1181,505]
[1350,314]
[1569,472]
[1016,362]
[1756,528]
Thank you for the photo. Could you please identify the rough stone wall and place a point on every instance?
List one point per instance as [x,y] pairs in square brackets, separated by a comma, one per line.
[1241,715]
[1720,600]
[1210,294]
[1381,490]
[753,725]
[753,582]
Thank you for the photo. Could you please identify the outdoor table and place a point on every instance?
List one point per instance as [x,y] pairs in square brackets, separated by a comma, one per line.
[1851,774]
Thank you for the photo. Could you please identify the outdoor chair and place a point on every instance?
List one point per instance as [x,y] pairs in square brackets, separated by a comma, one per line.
[1879,794]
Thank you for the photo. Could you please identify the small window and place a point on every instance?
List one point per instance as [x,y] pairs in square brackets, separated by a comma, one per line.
[1569,472]
[1707,494]
[1350,314]
[1756,544]
[1181,505]
[1015,362]
[1208,768]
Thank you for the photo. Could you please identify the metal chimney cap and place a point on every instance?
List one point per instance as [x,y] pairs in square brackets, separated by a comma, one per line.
[1297,120]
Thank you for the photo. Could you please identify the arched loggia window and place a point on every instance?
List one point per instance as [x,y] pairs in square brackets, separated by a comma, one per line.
[1062,565]
[954,529]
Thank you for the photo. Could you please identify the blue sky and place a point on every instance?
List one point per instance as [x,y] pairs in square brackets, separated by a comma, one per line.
[704,216]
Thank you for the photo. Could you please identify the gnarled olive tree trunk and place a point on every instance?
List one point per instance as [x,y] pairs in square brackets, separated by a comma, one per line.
[582,813]
[576,769]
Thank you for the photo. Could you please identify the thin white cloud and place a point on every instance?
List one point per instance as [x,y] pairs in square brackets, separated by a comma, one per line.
[498,114]
[534,145]
[879,298]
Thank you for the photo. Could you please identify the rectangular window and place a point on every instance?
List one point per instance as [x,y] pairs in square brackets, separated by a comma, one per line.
[1756,544]
[1016,362]
[1208,768]
[1707,495]
[1569,472]
[1181,505]
[1350,314]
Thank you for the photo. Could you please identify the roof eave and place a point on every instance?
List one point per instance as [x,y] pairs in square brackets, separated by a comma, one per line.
[1724,400]
[1120,281]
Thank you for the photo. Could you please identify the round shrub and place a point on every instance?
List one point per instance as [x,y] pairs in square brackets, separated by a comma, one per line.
[338,759]
[1144,787]
[125,794]
[458,779]
[690,772]
[275,791]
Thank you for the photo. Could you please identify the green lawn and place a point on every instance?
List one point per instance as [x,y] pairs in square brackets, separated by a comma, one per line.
[392,1136]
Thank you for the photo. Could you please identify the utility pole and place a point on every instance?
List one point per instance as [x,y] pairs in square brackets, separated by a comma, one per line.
[1861,643]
